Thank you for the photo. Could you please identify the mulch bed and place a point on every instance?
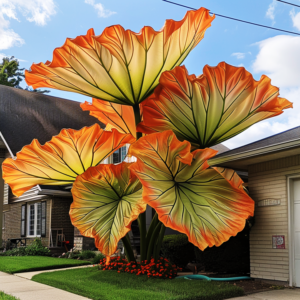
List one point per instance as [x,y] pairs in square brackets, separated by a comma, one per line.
[254,286]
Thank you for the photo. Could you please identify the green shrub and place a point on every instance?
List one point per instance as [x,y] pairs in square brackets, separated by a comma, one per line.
[87,254]
[97,258]
[35,249]
[178,249]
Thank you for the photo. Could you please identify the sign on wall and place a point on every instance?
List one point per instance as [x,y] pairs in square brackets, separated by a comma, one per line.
[278,242]
[269,202]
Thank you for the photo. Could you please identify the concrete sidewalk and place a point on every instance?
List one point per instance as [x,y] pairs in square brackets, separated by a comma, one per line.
[25,289]
[286,294]
[29,275]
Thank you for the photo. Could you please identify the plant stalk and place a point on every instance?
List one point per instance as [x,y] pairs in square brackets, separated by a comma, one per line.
[128,248]
[159,242]
[153,241]
[142,216]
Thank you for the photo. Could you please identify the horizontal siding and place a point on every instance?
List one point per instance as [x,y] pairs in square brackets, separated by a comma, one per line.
[268,180]
[6,193]
[31,195]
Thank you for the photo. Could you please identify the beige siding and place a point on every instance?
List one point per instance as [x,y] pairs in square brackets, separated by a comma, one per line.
[269,180]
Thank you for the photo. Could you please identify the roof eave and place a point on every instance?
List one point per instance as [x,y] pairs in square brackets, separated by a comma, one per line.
[252,153]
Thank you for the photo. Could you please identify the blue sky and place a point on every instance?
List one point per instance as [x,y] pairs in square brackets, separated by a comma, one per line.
[30,30]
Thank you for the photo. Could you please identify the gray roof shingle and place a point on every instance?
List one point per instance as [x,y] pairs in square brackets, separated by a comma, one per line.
[26,115]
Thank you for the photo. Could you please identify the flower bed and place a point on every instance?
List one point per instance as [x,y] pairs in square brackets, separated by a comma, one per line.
[162,268]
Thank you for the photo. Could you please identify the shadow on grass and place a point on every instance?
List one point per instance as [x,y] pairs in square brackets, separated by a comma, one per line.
[110,285]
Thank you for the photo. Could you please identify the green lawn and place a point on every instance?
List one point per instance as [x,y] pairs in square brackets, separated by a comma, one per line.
[7,297]
[17,264]
[110,285]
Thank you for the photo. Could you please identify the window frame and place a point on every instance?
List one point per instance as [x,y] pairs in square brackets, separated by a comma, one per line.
[35,219]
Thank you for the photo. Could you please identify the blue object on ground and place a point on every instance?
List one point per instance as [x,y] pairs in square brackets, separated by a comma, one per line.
[202,277]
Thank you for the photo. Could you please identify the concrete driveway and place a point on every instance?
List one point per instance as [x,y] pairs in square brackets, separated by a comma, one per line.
[286,294]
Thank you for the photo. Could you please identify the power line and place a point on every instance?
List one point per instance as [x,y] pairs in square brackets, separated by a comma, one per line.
[238,20]
[289,3]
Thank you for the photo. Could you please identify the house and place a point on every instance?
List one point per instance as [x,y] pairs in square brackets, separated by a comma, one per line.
[44,210]
[273,167]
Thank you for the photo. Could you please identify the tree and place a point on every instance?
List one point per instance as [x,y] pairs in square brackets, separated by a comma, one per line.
[144,90]
[12,75]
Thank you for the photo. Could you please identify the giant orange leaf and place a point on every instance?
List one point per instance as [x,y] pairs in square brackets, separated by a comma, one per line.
[191,198]
[211,108]
[62,159]
[107,198]
[113,115]
[120,66]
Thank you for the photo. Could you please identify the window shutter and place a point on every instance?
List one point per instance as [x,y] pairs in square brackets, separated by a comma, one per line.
[23,220]
[116,157]
[43,218]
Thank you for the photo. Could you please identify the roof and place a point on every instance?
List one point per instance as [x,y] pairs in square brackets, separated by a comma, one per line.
[282,137]
[220,148]
[26,115]
[274,147]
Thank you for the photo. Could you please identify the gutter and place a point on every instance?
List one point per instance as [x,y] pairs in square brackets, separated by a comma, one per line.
[54,193]
[255,152]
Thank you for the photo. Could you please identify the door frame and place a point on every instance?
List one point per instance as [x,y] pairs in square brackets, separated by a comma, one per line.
[291,245]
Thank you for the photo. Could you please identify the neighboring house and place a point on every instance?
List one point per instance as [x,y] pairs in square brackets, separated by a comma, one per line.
[44,210]
[273,166]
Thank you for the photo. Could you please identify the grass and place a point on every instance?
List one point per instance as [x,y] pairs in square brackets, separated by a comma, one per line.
[110,285]
[7,297]
[17,264]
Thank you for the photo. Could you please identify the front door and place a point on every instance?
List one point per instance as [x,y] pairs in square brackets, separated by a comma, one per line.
[296,233]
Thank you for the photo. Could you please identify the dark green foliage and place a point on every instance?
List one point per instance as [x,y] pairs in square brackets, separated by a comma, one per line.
[87,254]
[17,264]
[97,258]
[11,75]
[178,249]
[231,257]
[34,249]
[94,284]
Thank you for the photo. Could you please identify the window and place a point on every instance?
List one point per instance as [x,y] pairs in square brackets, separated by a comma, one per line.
[34,219]
[119,155]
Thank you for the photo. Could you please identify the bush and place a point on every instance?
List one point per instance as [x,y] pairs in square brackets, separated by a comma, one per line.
[87,254]
[178,249]
[35,249]
[97,258]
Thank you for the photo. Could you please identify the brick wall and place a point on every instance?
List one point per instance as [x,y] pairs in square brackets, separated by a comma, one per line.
[60,217]
[268,180]
[12,224]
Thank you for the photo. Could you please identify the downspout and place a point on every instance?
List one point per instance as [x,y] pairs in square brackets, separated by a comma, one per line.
[2,186]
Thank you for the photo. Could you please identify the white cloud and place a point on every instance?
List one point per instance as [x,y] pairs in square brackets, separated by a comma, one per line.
[279,58]
[239,55]
[271,11]
[8,38]
[295,18]
[102,12]
[37,11]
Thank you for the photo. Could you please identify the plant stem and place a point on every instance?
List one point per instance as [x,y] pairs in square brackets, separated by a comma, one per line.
[142,216]
[159,242]
[151,228]
[128,248]
[137,116]
[153,241]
